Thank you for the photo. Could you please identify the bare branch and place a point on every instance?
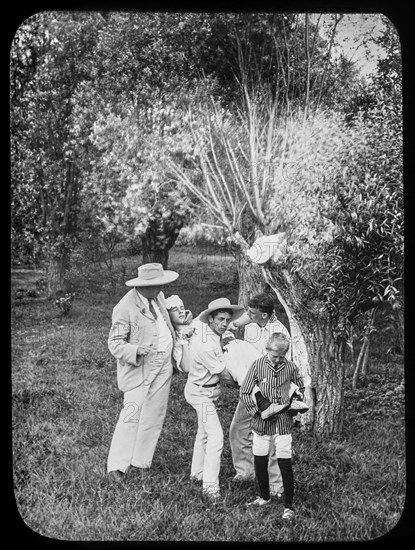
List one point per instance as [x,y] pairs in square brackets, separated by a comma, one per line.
[337,19]
[182,177]
[308,61]
[229,198]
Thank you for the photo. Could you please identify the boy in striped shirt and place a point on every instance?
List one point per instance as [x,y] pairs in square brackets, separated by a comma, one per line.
[273,374]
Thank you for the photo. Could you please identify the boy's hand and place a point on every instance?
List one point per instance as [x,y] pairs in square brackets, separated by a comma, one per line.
[232,326]
[189,317]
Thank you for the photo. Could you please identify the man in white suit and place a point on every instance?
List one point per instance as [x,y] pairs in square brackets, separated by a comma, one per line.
[141,339]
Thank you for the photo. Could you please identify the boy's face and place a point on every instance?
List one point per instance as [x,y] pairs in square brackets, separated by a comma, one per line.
[276,353]
[258,316]
[177,315]
[219,322]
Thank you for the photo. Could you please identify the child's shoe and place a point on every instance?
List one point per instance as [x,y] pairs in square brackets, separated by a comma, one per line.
[259,501]
[288,514]
[297,405]
[273,409]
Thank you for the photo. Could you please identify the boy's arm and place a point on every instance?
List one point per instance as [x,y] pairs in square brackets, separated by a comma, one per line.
[245,393]
[227,379]
[262,402]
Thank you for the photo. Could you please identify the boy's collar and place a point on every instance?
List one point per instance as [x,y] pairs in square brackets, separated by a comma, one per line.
[275,369]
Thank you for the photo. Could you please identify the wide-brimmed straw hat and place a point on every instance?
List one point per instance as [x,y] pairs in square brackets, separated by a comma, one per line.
[266,247]
[221,303]
[152,275]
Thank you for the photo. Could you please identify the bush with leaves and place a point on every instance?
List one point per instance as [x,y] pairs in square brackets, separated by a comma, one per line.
[64,302]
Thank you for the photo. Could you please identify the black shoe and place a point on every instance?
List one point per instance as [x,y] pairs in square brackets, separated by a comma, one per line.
[297,406]
[116,475]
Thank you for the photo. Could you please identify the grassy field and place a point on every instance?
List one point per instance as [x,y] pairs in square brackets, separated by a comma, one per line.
[65,404]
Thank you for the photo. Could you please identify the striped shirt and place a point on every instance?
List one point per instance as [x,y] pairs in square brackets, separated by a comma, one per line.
[274,383]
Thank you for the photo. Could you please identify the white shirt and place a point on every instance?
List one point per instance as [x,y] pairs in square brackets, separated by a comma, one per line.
[165,336]
[258,336]
[239,356]
[207,360]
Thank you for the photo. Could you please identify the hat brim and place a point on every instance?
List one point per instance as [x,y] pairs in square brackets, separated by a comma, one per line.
[237,312]
[167,277]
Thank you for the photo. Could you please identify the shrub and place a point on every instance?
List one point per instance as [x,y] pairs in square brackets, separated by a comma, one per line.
[64,302]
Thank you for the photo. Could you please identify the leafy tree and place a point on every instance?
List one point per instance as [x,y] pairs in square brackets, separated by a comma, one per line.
[129,188]
[51,54]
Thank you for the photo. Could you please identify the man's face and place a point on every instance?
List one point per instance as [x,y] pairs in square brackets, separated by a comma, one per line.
[257,316]
[219,322]
[149,291]
[276,353]
[177,315]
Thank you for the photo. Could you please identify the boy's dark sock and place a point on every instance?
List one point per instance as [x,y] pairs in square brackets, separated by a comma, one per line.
[287,480]
[262,402]
[261,473]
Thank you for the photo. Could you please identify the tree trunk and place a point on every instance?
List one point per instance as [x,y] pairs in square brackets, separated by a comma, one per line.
[154,255]
[159,237]
[320,357]
[251,280]
[365,363]
[400,323]
[359,365]
[299,353]
[56,270]
[326,353]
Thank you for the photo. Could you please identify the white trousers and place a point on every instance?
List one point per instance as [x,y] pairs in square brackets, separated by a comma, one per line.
[261,445]
[141,418]
[208,445]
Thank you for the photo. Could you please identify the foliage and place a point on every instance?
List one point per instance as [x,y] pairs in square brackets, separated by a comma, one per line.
[129,190]
[369,213]
[50,55]
[318,181]
[379,397]
[64,302]
[70,70]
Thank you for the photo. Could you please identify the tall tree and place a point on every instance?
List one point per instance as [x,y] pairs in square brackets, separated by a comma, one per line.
[50,56]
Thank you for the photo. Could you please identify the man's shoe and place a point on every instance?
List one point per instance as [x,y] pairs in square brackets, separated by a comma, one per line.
[297,406]
[212,496]
[288,514]
[273,409]
[277,495]
[116,475]
[240,478]
[135,472]
[259,501]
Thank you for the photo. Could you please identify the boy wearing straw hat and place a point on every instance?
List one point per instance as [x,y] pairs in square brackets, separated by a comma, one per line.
[202,390]
[141,338]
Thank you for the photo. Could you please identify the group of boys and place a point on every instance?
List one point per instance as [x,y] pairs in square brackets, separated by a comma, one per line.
[151,335]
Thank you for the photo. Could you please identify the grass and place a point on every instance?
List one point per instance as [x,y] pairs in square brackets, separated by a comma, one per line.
[65,404]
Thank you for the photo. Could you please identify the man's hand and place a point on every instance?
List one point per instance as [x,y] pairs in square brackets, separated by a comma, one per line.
[144,349]
[233,326]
